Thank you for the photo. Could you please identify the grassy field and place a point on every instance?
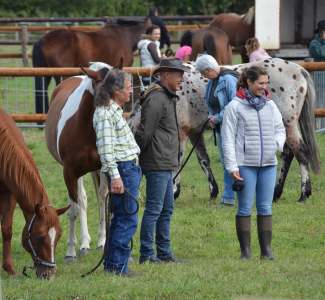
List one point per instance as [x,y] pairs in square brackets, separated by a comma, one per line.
[203,233]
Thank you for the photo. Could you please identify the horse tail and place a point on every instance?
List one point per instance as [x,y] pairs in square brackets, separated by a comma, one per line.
[38,56]
[209,46]
[186,39]
[307,121]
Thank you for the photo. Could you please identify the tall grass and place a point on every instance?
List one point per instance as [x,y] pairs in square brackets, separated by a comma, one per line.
[203,233]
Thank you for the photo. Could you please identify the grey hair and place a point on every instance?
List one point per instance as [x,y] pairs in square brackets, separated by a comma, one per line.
[113,81]
[205,62]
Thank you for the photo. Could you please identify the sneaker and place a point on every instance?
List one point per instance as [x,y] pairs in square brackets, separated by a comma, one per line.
[149,259]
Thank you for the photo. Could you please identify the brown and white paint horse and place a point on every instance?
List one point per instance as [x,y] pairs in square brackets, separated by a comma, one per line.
[20,182]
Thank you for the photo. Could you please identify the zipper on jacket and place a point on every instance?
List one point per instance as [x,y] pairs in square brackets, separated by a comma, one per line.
[261,138]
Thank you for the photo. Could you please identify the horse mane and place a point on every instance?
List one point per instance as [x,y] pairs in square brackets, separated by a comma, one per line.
[249,16]
[16,162]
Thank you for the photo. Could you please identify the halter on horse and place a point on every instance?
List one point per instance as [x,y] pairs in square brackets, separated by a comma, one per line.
[21,182]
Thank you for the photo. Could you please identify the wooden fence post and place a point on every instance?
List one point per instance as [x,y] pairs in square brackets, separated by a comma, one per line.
[24,43]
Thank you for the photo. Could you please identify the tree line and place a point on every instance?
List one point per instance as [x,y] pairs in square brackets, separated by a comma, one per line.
[97,8]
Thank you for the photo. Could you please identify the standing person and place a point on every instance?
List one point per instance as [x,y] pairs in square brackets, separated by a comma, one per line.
[317,45]
[221,89]
[252,132]
[158,138]
[164,39]
[254,50]
[149,50]
[185,50]
[118,153]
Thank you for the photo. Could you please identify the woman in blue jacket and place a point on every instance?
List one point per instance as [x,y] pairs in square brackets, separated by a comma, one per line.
[221,89]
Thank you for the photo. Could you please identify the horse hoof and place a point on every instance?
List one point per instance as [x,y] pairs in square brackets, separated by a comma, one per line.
[83,251]
[70,259]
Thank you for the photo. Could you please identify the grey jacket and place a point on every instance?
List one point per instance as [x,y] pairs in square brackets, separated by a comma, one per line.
[250,137]
[157,134]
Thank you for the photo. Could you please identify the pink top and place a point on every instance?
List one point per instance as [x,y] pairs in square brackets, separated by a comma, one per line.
[258,54]
[182,52]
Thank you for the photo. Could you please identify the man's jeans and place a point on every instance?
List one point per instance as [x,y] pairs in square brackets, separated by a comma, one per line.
[125,219]
[157,214]
[228,196]
[259,181]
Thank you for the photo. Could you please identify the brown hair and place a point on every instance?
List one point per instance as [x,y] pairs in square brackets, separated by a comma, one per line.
[251,45]
[251,73]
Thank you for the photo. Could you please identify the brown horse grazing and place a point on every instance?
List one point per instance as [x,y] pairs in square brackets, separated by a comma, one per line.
[68,48]
[238,27]
[21,182]
[209,40]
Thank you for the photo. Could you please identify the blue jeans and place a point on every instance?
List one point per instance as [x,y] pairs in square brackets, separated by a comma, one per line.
[228,196]
[125,220]
[157,214]
[259,181]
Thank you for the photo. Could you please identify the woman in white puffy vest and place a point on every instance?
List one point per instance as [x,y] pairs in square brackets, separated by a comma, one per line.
[149,50]
[252,132]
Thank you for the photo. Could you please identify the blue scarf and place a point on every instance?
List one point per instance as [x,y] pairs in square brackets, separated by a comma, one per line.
[257,102]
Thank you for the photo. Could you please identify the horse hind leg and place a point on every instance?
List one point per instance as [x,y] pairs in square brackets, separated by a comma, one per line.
[286,157]
[300,151]
[101,189]
[7,206]
[204,160]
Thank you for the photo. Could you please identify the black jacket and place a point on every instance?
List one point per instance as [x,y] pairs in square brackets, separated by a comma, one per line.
[164,38]
[157,134]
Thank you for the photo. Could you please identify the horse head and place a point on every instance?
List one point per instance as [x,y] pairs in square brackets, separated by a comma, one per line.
[40,237]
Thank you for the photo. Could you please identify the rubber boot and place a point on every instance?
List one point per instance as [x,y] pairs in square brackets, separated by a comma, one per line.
[243,228]
[264,230]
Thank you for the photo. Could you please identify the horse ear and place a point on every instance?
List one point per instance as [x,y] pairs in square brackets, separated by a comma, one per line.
[62,210]
[40,210]
[92,74]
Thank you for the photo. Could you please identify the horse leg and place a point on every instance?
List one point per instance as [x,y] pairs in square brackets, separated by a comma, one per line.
[286,157]
[7,206]
[204,160]
[101,189]
[300,151]
[83,204]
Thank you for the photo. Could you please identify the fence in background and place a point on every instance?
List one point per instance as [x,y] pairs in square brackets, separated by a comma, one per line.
[17,88]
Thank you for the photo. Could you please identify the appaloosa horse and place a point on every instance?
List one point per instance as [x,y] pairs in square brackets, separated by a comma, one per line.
[20,182]
[67,48]
[238,28]
[293,92]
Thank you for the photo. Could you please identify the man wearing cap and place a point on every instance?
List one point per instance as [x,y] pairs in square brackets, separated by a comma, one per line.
[158,138]
[317,45]
[221,89]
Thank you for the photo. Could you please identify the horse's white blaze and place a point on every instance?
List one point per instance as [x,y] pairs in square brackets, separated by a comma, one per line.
[52,235]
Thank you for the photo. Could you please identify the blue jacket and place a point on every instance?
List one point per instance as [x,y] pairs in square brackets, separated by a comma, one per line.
[317,49]
[224,92]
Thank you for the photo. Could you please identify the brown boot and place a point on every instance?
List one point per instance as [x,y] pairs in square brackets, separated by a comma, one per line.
[243,228]
[264,230]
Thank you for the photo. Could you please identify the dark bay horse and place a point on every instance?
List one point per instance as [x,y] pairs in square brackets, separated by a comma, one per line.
[209,40]
[238,28]
[67,48]
[20,182]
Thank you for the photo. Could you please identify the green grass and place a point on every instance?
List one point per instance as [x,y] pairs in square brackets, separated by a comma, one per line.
[203,233]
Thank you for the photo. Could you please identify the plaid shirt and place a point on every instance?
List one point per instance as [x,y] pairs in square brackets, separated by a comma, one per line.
[114,139]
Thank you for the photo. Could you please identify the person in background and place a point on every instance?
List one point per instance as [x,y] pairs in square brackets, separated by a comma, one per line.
[118,153]
[254,51]
[317,45]
[164,39]
[252,133]
[185,50]
[149,50]
[221,89]
[158,138]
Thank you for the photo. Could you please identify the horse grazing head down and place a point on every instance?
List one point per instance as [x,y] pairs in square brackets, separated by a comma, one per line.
[40,237]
